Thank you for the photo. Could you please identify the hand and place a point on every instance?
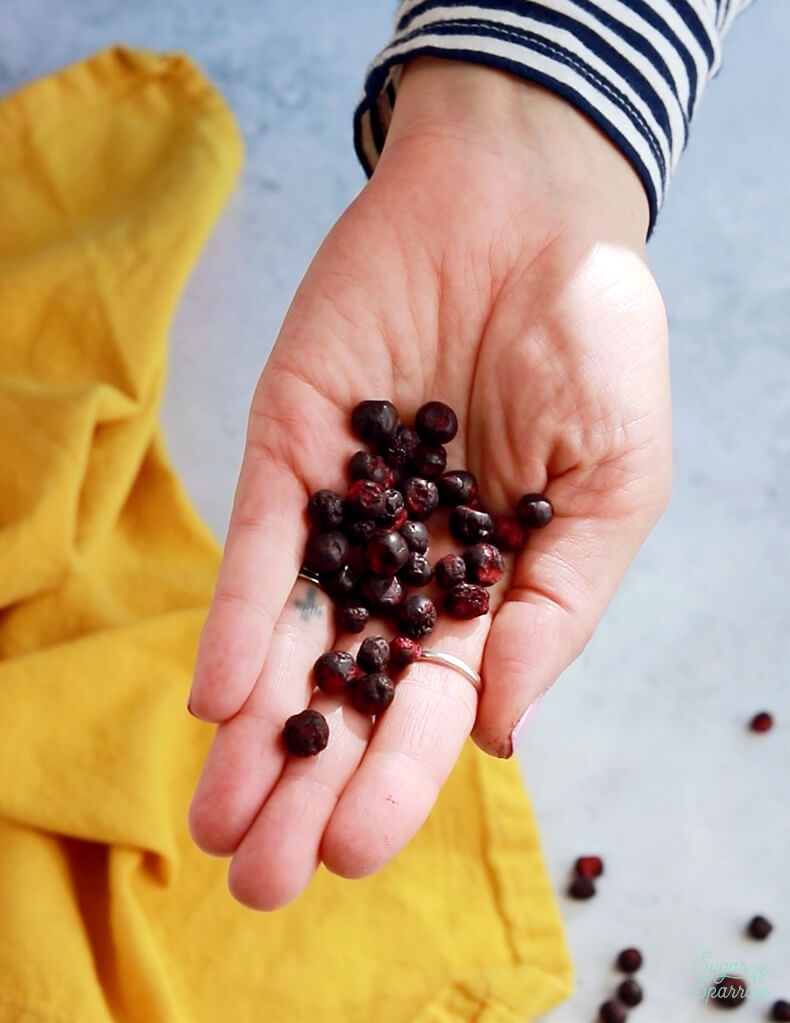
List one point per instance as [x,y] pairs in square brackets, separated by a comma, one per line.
[494,261]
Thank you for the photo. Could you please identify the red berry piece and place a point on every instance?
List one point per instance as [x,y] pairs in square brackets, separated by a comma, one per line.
[471,525]
[417,616]
[457,487]
[326,552]
[306,734]
[395,514]
[484,564]
[417,571]
[759,928]
[436,423]
[340,585]
[729,992]
[386,553]
[351,617]
[762,722]
[588,866]
[359,532]
[373,693]
[449,571]
[374,421]
[374,654]
[365,500]
[382,594]
[780,1011]
[629,960]
[325,510]
[466,601]
[581,888]
[403,652]
[367,466]
[416,536]
[421,497]
[400,449]
[534,511]
[630,993]
[335,672]
[509,535]
[612,1012]
[429,461]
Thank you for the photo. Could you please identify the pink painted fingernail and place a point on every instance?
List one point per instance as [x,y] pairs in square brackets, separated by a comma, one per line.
[520,727]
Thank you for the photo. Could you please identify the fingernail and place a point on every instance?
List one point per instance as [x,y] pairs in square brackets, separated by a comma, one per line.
[189,706]
[520,727]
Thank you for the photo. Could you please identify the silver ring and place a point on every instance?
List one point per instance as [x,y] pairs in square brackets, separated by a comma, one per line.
[451,661]
[310,577]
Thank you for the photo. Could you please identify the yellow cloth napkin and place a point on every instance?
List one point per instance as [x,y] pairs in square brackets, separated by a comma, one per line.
[112,173]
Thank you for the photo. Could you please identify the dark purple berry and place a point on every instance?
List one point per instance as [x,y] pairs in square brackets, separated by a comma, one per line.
[374,654]
[612,1012]
[457,487]
[395,514]
[417,571]
[403,652]
[417,616]
[729,992]
[588,866]
[359,532]
[421,497]
[449,571]
[386,552]
[630,993]
[436,423]
[416,536]
[351,617]
[759,927]
[484,564]
[629,960]
[762,722]
[509,535]
[374,421]
[429,461]
[340,585]
[335,672]
[367,466]
[326,552]
[365,499]
[780,1011]
[325,509]
[534,511]
[471,525]
[306,733]
[400,449]
[466,601]
[382,594]
[581,888]
[373,693]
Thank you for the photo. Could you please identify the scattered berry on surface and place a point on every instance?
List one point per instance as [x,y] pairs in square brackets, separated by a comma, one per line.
[728,992]
[630,993]
[417,616]
[484,564]
[612,1012]
[581,888]
[762,722]
[458,486]
[759,927]
[325,510]
[421,497]
[326,552]
[416,535]
[629,960]
[417,571]
[780,1011]
[306,733]
[374,421]
[471,525]
[449,571]
[436,423]
[373,693]
[335,672]
[534,511]
[588,866]
[465,600]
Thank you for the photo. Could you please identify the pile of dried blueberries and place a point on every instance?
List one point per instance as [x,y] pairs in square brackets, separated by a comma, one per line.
[370,548]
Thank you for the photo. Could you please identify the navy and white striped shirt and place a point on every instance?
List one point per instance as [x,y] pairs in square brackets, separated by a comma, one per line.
[636,67]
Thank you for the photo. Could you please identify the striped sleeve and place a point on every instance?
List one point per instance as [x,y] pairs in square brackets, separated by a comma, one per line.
[636,67]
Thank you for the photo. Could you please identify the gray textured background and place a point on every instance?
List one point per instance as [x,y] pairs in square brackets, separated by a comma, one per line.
[640,752]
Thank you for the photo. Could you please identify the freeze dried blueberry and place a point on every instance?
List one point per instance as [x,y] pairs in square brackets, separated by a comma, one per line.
[762,722]
[449,571]
[306,733]
[780,1011]
[458,486]
[403,652]
[326,552]
[417,616]
[386,552]
[417,571]
[484,564]
[374,421]
[359,532]
[629,960]
[399,450]
[367,466]
[759,927]
[340,585]
[394,515]
[612,1012]
[351,617]
[382,594]
[465,600]
[374,654]
[728,992]
[534,511]
[436,423]
[581,888]
[421,497]
[335,672]
[416,536]
[588,866]
[630,993]
[365,499]
[325,510]
[471,525]
[509,535]
[373,693]
[429,461]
